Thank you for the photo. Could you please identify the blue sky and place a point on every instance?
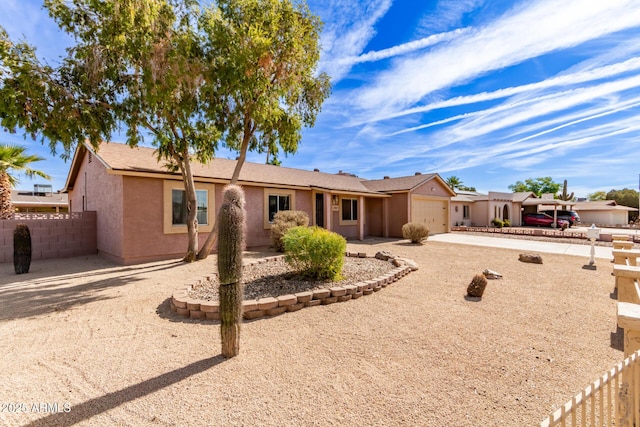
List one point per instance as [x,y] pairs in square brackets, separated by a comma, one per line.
[490,91]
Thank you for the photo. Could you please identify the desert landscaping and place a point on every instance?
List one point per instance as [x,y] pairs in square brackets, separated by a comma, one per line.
[87,342]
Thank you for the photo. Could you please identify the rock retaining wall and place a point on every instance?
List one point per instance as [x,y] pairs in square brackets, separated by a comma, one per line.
[185,306]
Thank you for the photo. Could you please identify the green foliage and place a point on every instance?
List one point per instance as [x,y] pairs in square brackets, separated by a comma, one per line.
[453,182]
[315,252]
[506,223]
[231,223]
[597,196]
[625,197]
[188,74]
[282,222]
[13,161]
[538,186]
[21,249]
[415,231]
[497,222]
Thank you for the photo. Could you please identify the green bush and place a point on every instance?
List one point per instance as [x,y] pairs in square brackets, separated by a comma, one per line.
[497,222]
[415,231]
[315,252]
[506,223]
[283,221]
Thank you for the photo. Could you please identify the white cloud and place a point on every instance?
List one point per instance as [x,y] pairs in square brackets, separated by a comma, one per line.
[541,27]
[447,13]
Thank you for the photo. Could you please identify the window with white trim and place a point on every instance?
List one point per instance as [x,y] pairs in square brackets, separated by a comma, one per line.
[277,203]
[179,207]
[349,209]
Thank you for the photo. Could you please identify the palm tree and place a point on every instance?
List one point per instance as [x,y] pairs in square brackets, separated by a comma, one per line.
[453,182]
[13,160]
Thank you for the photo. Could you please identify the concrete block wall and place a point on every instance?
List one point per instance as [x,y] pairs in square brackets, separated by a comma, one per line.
[52,236]
[185,306]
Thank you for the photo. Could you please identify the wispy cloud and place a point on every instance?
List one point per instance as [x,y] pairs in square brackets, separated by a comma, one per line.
[539,28]
[349,26]
[447,13]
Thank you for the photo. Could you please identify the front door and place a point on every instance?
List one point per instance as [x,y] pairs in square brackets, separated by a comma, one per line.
[320,209]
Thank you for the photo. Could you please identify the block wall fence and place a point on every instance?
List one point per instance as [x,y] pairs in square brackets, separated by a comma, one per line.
[52,235]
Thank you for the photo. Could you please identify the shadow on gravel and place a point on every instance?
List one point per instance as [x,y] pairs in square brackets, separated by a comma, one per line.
[617,339]
[90,408]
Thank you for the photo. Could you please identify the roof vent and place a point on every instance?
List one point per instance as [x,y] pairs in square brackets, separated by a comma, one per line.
[316,170]
[385,177]
[418,173]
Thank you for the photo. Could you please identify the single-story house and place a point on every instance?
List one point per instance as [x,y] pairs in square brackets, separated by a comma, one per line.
[603,213]
[471,208]
[141,216]
[41,200]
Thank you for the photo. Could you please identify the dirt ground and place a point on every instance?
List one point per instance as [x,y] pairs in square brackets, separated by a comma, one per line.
[86,342]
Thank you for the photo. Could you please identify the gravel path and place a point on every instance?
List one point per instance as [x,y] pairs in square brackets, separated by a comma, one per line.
[99,341]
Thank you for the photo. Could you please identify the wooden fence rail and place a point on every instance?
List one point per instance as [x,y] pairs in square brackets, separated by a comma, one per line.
[613,399]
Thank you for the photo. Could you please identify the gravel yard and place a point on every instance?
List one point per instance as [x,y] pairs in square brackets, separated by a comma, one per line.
[97,345]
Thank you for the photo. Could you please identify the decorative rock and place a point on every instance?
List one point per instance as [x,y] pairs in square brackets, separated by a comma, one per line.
[384,255]
[362,254]
[411,264]
[532,258]
[490,274]
[397,262]
[477,286]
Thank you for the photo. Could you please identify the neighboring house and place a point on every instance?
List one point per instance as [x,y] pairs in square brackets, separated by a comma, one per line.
[41,200]
[603,213]
[471,208]
[140,207]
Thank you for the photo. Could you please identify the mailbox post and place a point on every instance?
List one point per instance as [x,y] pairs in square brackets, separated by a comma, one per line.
[592,234]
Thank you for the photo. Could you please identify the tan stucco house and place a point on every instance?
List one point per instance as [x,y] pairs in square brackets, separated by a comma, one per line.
[471,208]
[41,200]
[603,213]
[140,214]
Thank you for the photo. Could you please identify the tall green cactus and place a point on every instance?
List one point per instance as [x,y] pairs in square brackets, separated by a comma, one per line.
[564,196]
[21,249]
[231,229]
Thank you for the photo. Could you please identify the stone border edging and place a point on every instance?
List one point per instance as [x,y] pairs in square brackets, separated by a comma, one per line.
[185,306]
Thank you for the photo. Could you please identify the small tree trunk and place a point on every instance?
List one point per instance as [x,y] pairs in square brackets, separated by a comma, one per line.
[6,207]
[192,207]
[231,227]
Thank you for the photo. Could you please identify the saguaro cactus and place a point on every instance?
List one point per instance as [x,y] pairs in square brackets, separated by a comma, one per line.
[231,226]
[21,249]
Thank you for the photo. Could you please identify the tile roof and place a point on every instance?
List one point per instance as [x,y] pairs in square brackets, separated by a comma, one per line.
[121,157]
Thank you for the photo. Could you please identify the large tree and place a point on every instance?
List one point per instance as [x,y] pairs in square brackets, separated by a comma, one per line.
[160,69]
[14,161]
[625,197]
[538,186]
[597,195]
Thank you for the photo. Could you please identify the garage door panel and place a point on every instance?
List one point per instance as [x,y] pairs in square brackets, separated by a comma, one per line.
[434,213]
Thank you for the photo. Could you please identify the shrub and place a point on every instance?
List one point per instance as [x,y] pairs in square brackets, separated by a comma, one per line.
[497,222]
[415,231]
[315,252]
[506,223]
[283,221]
[21,249]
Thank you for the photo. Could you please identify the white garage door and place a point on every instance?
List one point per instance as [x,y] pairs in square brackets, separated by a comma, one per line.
[432,212]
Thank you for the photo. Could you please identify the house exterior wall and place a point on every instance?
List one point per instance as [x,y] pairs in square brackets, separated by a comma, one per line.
[480,214]
[432,188]
[457,213]
[608,218]
[96,190]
